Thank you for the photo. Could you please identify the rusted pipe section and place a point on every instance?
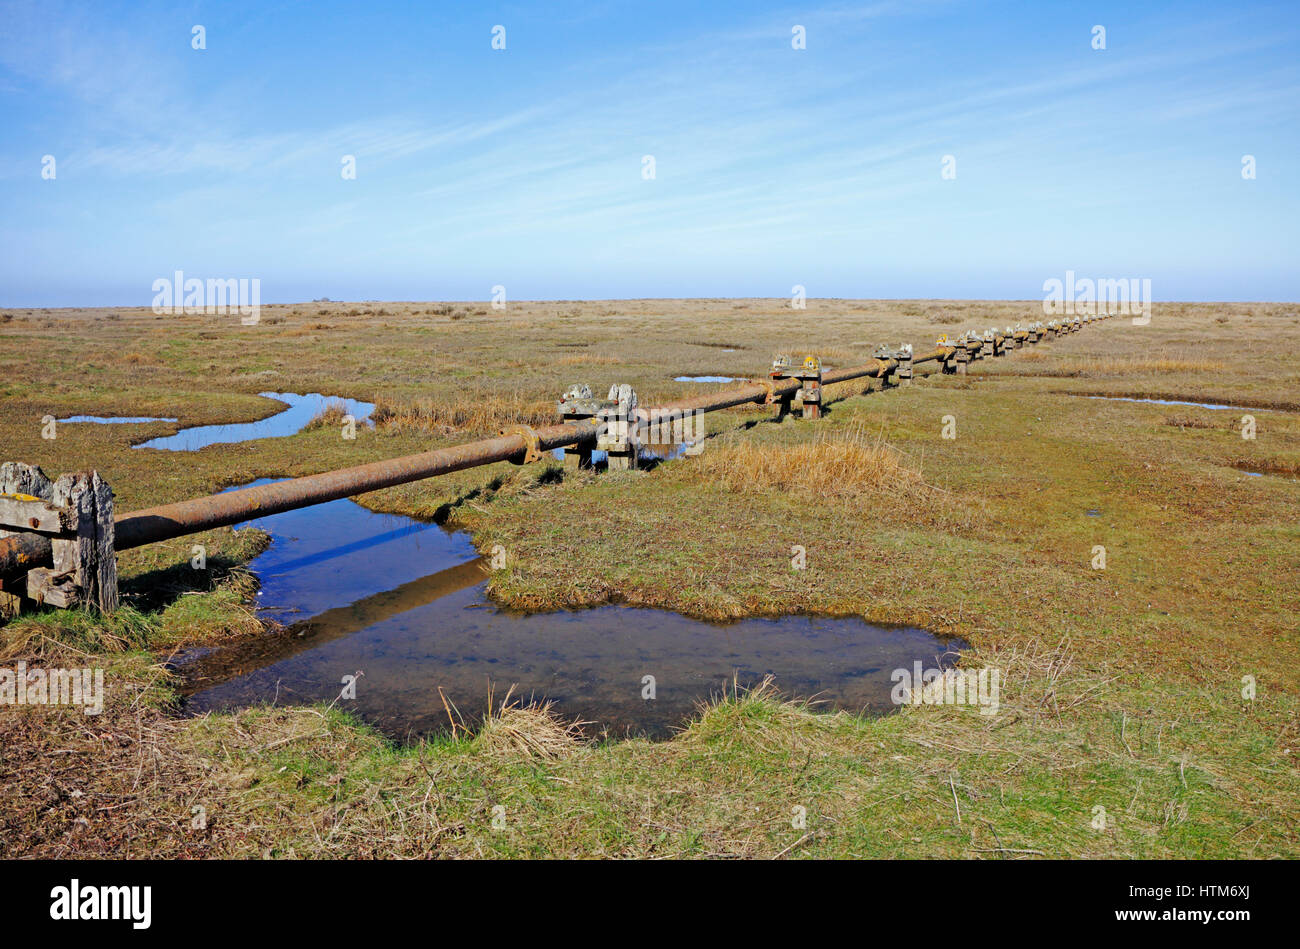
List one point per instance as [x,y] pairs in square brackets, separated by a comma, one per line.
[22,552]
[759,392]
[220,510]
[713,401]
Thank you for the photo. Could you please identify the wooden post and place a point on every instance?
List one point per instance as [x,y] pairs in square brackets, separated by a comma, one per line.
[962,358]
[904,357]
[574,405]
[810,394]
[620,436]
[77,512]
[809,374]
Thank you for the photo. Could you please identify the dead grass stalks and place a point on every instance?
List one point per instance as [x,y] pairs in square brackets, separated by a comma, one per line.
[486,414]
[532,730]
[837,463]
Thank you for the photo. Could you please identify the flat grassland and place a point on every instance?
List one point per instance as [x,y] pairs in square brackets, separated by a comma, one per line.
[1127,725]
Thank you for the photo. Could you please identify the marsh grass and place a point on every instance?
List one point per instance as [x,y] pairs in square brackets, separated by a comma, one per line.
[80,632]
[588,359]
[511,729]
[331,415]
[844,462]
[484,414]
[1200,421]
[1088,366]
[1122,687]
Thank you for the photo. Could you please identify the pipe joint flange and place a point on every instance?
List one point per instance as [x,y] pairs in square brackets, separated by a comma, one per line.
[532,444]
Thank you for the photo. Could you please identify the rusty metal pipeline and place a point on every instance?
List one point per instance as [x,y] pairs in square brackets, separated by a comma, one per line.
[22,552]
[137,528]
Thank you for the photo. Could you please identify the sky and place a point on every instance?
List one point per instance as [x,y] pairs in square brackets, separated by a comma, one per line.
[927,149]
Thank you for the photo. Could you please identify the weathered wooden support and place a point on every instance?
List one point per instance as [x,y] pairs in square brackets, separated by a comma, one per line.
[961,358]
[988,348]
[620,429]
[575,405]
[76,514]
[947,358]
[809,373]
[903,356]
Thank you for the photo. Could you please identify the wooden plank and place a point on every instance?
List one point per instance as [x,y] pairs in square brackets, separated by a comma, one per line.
[44,586]
[25,512]
[23,480]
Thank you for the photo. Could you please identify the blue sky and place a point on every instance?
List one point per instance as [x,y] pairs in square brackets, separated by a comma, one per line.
[523,167]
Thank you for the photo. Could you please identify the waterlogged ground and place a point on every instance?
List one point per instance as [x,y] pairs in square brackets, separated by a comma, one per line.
[300,411]
[1155,681]
[400,605]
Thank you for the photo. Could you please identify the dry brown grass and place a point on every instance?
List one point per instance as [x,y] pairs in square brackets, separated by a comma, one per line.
[588,359]
[1072,367]
[513,729]
[331,415]
[1148,364]
[1274,465]
[837,463]
[486,414]
[1196,421]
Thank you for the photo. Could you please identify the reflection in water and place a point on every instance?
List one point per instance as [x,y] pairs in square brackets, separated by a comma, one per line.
[663,452]
[302,409]
[403,603]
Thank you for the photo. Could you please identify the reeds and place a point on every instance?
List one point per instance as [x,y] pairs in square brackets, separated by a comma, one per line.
[480,414]
[837,463]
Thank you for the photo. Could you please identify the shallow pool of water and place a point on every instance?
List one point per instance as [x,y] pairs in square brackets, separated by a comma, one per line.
[648,453]
[403,603]
[705,379]
[300,411]
[1200,405]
